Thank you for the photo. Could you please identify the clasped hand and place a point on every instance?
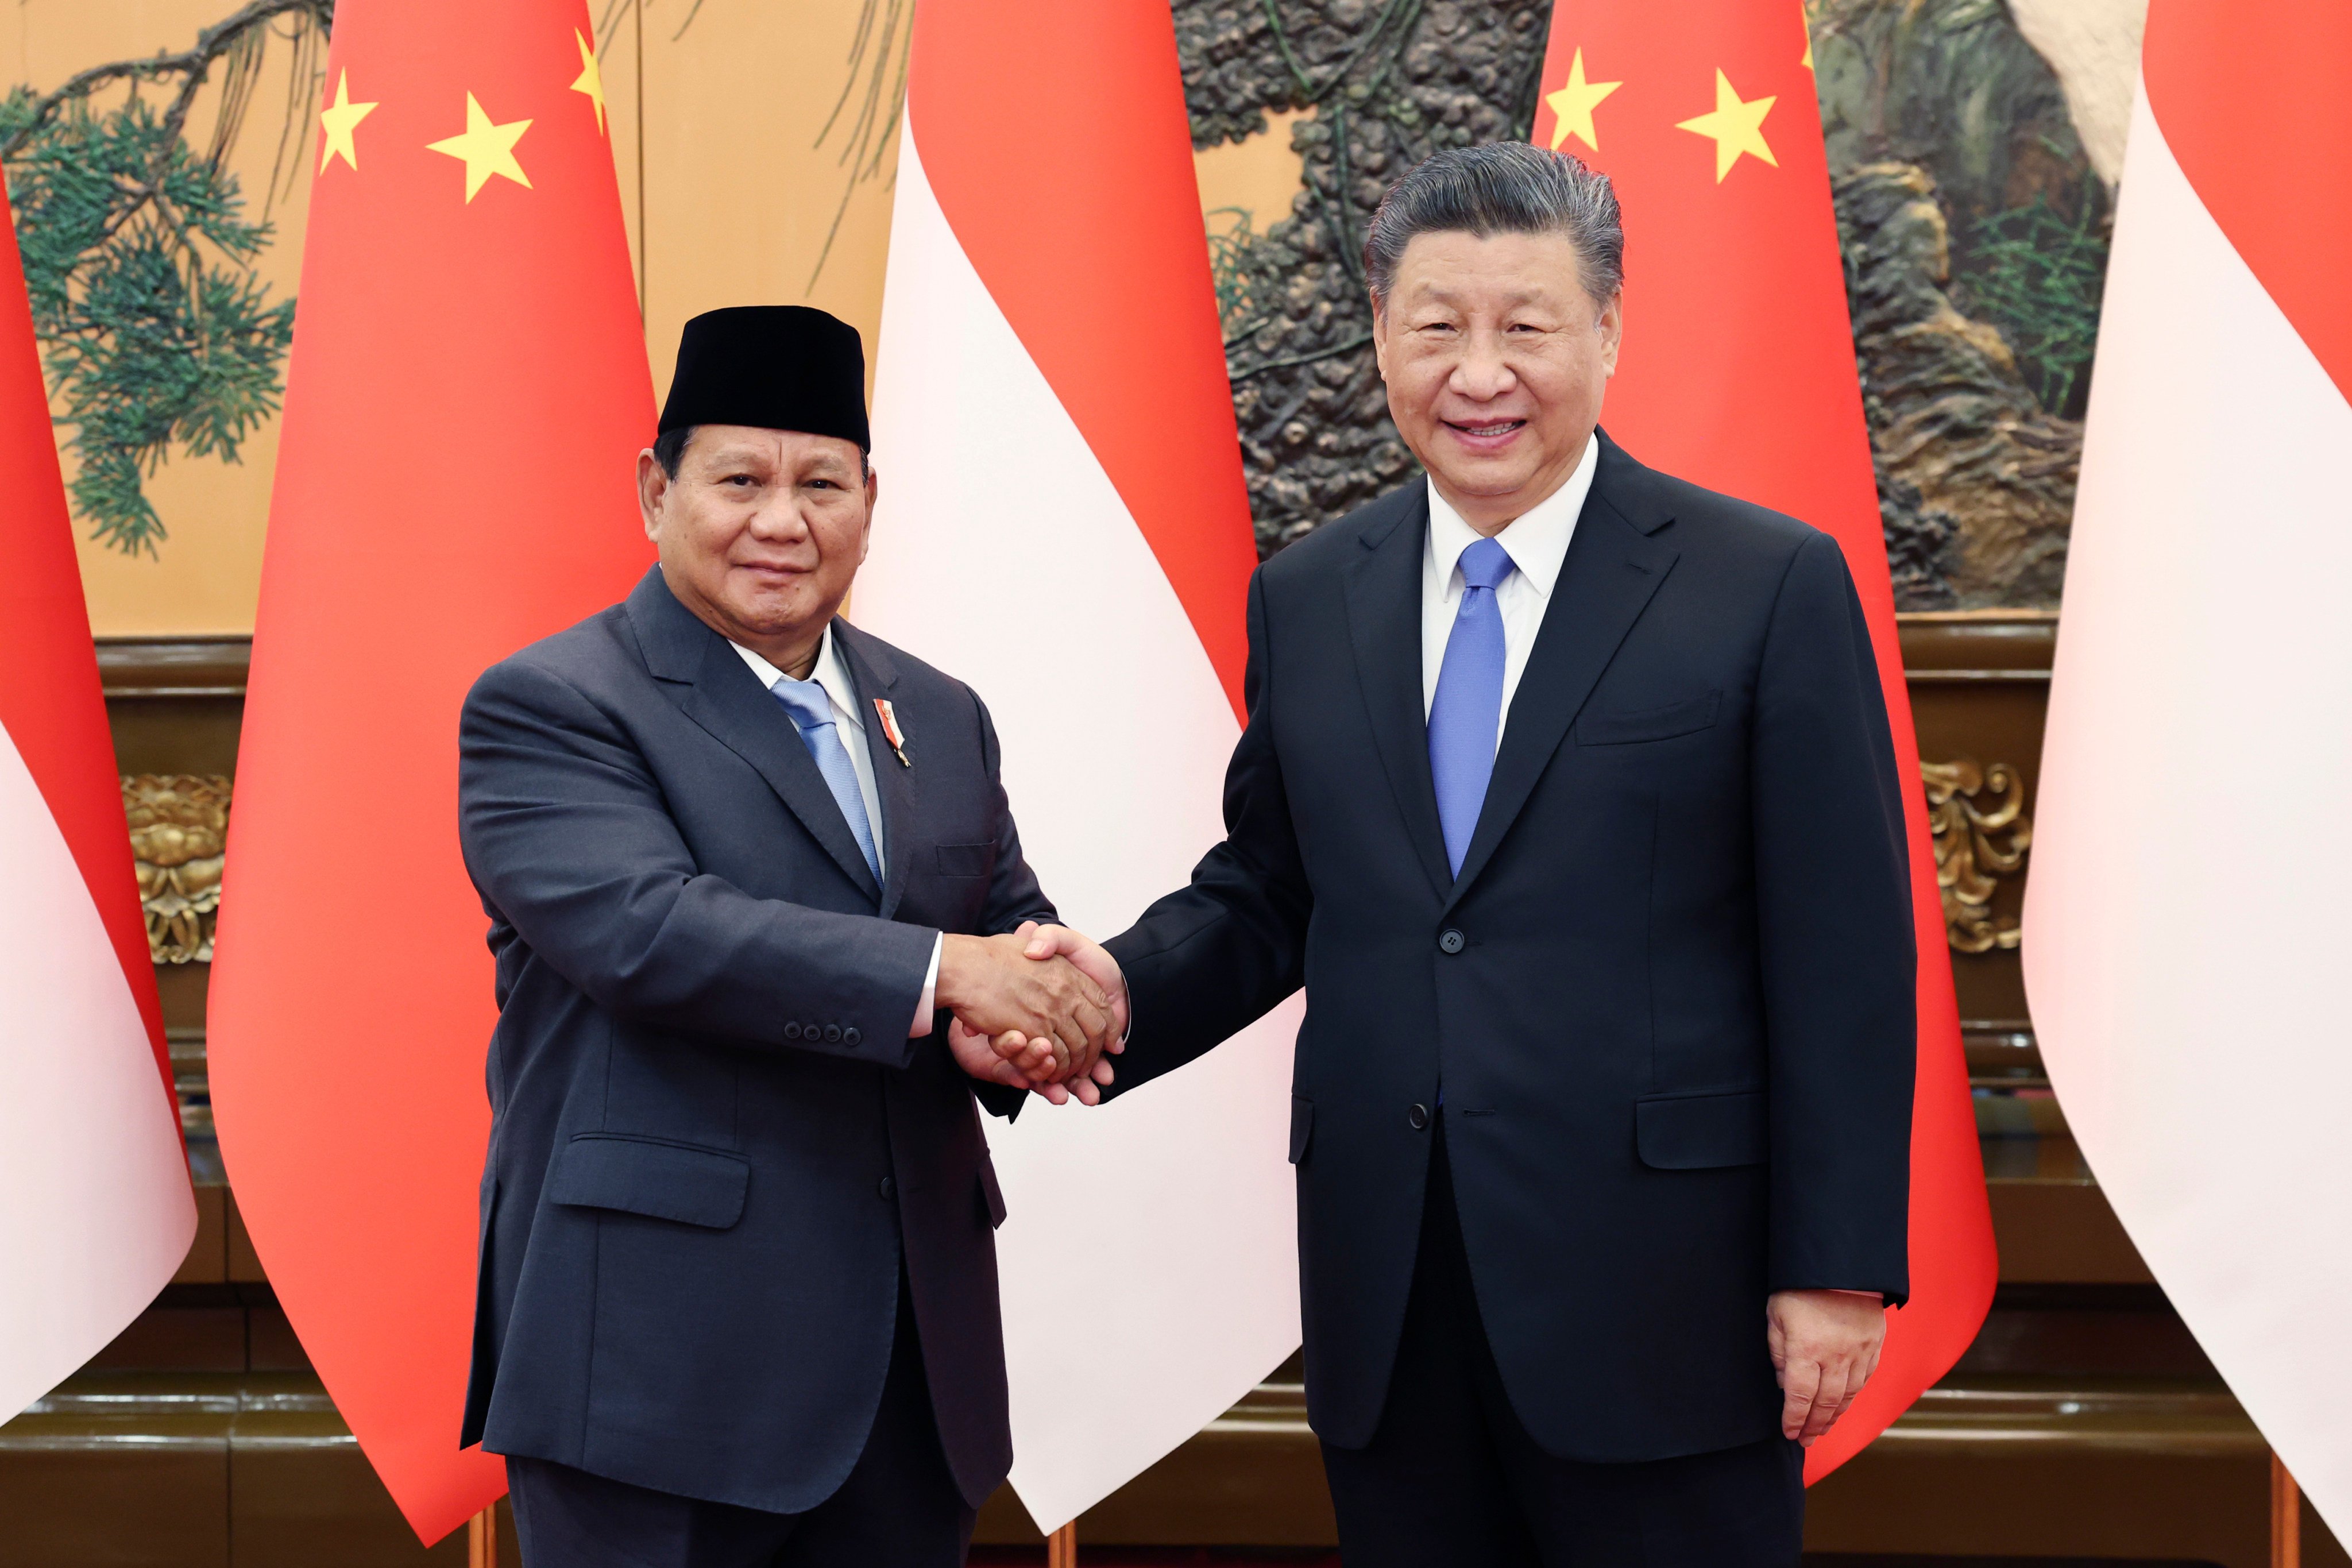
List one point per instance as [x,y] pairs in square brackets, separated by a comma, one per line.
[1039,1009]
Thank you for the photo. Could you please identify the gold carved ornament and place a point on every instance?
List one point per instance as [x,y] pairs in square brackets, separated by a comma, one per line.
[1977,815]
[179,826]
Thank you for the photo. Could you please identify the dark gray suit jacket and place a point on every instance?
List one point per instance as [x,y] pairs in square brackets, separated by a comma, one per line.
[712,1142]
[1669,998]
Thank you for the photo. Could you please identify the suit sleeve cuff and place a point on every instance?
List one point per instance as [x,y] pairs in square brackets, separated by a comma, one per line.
[925,1004]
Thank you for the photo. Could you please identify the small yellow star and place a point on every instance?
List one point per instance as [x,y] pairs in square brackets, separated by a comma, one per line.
[1736,127]
[1573,104]
[1808,61]
[486,149]
[339,119]
[591,79]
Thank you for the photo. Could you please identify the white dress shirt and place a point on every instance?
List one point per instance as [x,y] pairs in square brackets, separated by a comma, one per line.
[850,725]
[1536,541]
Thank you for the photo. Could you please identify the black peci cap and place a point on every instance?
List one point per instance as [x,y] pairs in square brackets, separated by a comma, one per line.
[778,367]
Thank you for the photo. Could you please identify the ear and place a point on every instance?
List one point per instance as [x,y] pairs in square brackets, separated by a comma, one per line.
[1612,328]
[653,485]
[873,490]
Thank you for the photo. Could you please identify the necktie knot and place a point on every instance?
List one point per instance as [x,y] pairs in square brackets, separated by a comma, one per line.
[1485,563]
[805,699]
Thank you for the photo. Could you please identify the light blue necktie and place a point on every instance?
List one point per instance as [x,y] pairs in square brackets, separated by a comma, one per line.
[812,712]
[1467,713]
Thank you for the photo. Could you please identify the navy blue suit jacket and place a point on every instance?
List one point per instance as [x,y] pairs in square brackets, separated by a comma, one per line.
[1668,998]
[712,1141]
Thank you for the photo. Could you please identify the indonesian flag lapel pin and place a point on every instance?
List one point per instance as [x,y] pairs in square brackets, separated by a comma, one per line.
[890,730]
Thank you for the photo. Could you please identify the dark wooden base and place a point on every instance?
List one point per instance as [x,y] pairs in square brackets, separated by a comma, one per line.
[198,1470]
[255,1471]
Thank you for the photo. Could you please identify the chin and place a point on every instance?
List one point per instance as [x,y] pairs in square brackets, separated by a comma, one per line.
[769,616]
[1489,481]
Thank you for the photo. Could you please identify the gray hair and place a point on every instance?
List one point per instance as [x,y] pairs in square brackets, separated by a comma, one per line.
[1501,187]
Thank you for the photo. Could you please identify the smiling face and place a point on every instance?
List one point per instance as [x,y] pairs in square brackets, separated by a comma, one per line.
[1496,359]
[761,534]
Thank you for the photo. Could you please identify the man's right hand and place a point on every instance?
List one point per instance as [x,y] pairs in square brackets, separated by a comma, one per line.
[995,989]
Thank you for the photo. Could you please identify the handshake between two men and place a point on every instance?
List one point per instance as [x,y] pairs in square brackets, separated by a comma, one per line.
[1043,1009]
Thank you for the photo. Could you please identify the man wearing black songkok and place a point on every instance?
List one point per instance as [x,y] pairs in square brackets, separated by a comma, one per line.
[749,874]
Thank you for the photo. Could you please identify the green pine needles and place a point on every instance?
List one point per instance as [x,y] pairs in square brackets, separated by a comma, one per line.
[139,256]
[151,342]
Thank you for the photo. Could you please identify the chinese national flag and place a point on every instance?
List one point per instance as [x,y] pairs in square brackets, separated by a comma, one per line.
[468,395]
[1738,375]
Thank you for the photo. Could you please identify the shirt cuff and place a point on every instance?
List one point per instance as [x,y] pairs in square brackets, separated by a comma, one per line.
[926,1004]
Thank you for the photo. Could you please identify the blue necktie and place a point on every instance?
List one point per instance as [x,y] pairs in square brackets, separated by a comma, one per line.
[1467,713]
[812,712]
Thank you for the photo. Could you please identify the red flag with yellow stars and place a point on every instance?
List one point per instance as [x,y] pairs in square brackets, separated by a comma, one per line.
[1738,375]
[454,479]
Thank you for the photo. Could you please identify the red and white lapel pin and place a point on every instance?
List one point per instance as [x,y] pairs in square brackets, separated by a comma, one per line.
[890,730]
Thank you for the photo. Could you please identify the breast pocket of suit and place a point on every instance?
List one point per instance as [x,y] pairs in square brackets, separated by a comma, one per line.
[948,884]
[1688,717]
[965,860]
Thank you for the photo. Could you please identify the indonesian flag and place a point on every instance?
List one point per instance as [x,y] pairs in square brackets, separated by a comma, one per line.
[2187,921]
[95,1208]
[1063,523]
[1738,375]
[468,398]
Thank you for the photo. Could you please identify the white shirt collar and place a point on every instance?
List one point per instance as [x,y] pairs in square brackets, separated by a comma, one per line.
[1537,538]
[829,673]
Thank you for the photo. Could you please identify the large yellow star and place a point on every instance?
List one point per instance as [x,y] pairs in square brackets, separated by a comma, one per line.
[1572,106]
[339,119]
[591,79]
[1736,127]
[486,149]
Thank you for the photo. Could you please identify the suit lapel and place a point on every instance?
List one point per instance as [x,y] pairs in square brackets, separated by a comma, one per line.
[1383,588]
[724,696]
[873,672]
[1613,570]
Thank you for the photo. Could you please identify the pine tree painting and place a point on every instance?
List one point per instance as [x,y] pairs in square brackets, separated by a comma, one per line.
[139,250]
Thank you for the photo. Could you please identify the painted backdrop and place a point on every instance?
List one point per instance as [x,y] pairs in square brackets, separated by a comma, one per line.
[1973,143]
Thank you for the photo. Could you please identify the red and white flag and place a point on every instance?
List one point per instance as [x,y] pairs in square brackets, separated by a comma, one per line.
[95,1212]
[1063,524]
[1738,375]
[2186,919]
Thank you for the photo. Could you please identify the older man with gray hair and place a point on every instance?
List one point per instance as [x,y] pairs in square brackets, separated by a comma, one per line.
[1568,793]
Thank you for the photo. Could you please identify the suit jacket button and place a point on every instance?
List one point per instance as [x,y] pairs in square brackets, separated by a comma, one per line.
[791,1031]
[1417,1118]
[832,1034]
[812,1031]
[1451,941]
[852,1037]
[888,1189]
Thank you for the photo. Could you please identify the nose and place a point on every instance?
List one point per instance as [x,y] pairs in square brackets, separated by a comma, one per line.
[1482,372]
[780,521]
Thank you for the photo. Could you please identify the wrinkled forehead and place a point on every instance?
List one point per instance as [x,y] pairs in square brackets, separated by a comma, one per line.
[1460,270]
[774,451]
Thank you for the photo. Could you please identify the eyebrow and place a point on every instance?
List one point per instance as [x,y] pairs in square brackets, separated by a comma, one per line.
[735,457]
